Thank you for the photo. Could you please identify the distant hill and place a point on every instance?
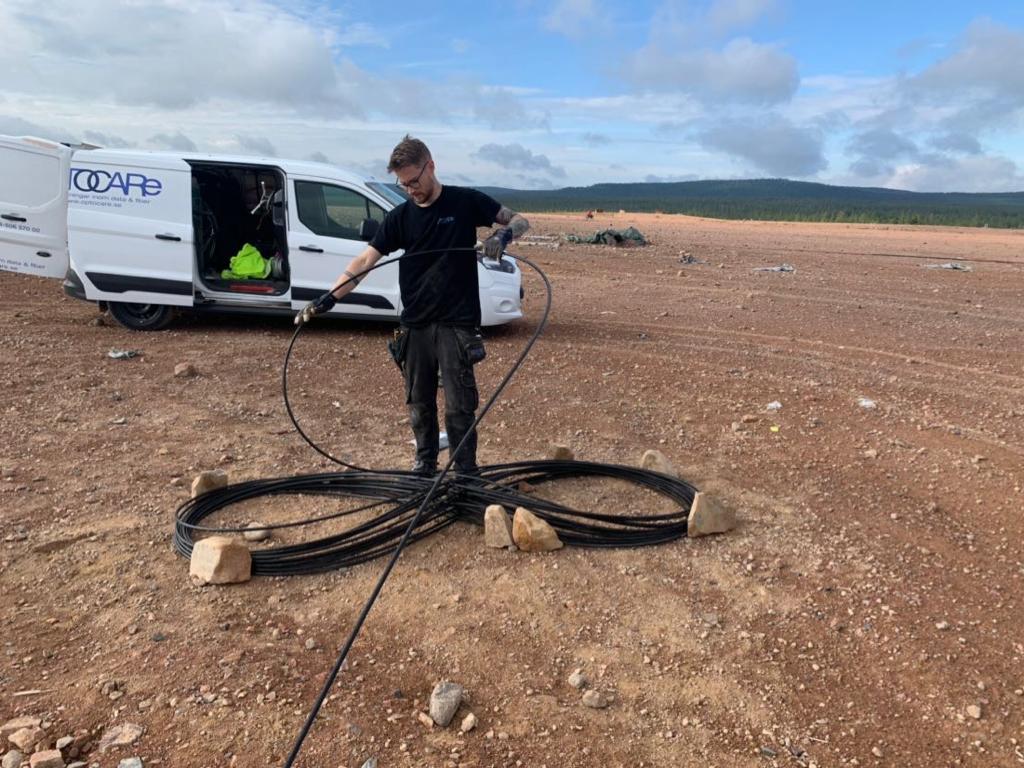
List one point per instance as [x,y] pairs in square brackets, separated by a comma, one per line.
[779,200]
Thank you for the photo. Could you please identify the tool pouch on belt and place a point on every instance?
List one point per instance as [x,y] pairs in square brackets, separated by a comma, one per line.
[472,343]
[397,347]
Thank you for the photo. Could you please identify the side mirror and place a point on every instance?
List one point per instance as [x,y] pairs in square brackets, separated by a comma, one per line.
[367,229]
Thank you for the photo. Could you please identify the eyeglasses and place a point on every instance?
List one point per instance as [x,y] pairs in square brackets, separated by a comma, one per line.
[414,183]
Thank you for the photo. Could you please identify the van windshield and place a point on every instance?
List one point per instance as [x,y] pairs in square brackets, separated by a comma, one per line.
[390,192]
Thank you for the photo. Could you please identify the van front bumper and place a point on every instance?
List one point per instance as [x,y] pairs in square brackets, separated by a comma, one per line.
[73,286]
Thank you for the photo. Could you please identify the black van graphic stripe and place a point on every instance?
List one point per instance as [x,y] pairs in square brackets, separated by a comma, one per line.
[371,300]
[121,283]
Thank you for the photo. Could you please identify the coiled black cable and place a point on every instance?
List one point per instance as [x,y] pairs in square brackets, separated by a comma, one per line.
[412,507]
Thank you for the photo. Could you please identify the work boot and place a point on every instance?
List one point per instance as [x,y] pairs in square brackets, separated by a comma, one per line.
[424,468]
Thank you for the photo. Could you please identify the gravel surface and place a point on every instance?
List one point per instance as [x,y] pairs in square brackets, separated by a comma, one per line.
[866,611]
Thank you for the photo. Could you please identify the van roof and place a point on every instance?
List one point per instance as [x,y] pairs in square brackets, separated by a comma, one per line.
[170,160]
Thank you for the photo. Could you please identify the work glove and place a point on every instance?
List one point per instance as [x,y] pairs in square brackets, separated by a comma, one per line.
[323,304]
[495,245]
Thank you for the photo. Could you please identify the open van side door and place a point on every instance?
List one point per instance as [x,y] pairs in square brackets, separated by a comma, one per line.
[324,224]
[34,206]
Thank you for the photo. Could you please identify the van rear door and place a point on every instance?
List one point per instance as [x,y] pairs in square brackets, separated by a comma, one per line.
[34,206]
[130,227]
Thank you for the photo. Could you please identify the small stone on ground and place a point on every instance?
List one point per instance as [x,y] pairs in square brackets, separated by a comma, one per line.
[256,532]
[497,528]
[561,453]
[208,481]
[656,461]
[531,534]
[221,560]
[120,736]
[48,758]
[444,702]
[708,515]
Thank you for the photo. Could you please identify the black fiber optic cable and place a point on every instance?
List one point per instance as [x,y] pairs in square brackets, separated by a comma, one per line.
[413,507]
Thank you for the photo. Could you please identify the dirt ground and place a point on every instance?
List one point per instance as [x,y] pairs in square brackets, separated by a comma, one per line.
[869,600]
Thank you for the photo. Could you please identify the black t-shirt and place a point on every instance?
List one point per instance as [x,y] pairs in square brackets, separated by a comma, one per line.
[438,287]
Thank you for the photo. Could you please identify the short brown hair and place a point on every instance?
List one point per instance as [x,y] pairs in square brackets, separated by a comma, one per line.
[409,151]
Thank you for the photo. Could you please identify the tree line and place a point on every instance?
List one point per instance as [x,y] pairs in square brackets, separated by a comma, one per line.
[780,200]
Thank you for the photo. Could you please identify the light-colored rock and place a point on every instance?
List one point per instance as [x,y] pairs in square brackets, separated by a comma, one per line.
[656,461]
[594,700]
[426,719]
[708,515]
[185,370]
[26,738]
[468,723]
[578,680]
[255,532]
[561,452]
[974,711]
[130,762]
[371,763]
[64,742]
[531,534]
[13,759]
[497,527]
[221,560]
[444,702]
[47,758]
[208,481]
[17,724]
[120,736]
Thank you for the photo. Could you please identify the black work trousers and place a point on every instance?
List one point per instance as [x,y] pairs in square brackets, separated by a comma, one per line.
[446,348]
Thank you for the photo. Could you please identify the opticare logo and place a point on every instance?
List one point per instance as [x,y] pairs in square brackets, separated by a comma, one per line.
[90,180]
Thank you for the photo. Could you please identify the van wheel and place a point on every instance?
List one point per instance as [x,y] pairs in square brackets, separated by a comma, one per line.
[142,317]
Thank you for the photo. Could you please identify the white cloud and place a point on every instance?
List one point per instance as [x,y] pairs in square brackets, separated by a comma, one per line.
[107,140]
[255,145]
[517,157]
[980,85]
[178,141]
[730,14]
[770,142]
[167,54]
[743,71]
[957,142]
[576,18]
[976,173]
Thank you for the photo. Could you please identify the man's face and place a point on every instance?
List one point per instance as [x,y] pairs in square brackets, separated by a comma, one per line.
[418,181]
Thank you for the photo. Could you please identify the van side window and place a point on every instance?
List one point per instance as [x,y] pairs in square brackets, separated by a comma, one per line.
[333,211]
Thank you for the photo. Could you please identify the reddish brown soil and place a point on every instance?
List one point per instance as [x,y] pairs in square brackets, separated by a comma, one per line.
[871,594]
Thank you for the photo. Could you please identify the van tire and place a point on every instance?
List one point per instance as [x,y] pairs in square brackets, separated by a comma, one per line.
[141,317]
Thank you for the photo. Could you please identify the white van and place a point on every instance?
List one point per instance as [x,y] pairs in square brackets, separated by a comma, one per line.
[146,233]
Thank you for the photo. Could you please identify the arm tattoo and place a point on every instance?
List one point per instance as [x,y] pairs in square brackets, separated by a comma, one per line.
[513,221]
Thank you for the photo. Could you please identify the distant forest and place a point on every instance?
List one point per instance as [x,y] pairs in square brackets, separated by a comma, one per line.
[779,200]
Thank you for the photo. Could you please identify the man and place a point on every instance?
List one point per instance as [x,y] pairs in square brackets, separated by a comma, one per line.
[440,324]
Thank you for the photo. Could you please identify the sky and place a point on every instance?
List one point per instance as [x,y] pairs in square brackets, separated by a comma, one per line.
[925,96]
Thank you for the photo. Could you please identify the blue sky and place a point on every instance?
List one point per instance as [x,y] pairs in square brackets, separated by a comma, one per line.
[912,95]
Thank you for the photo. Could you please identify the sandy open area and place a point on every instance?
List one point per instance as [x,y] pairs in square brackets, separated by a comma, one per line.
[870,599]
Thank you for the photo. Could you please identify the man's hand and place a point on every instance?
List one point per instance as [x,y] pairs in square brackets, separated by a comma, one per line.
[495,245]
[323,304]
